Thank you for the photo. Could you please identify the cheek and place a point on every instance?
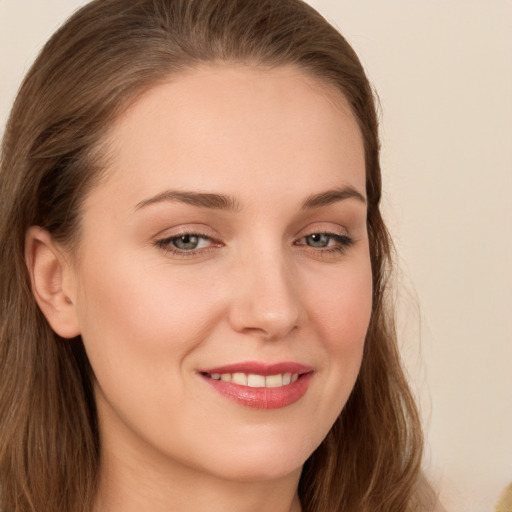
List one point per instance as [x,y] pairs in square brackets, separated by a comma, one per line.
[131,296]
[138,327]
[340,310]
[342,319]
[344,312]
[136,318]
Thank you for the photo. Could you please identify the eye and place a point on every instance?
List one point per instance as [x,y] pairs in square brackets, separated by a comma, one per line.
[318,240]
[189,242]
[185,243]
[326,242]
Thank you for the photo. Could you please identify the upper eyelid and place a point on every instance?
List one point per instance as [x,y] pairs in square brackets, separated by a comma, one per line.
[185,233]
[327,233]
[312,230]
[192,229]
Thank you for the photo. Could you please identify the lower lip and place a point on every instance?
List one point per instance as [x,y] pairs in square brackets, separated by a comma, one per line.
[262,398]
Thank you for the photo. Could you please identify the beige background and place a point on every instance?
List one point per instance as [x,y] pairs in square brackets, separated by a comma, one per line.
[444,75]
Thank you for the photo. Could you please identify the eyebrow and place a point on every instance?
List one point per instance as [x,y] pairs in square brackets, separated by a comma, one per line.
[225,202]
[332,196]
[201,199]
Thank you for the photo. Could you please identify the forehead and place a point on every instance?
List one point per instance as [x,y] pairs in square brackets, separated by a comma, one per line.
[225,126]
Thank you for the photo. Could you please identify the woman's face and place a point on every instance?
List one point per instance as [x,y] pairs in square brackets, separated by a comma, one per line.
[223,283]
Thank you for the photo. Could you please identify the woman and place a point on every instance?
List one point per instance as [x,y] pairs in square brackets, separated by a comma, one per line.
[194,269]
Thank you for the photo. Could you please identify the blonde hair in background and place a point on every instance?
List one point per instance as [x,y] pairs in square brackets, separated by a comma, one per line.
[505,502]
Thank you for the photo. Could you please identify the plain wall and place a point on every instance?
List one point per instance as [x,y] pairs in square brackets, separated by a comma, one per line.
[443,72]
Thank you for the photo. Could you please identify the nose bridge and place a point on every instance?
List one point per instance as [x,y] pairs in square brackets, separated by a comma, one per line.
[265,301]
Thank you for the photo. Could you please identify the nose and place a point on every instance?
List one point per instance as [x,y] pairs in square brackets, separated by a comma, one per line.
[265,300]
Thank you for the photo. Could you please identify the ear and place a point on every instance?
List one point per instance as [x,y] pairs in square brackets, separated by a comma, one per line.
[51,278]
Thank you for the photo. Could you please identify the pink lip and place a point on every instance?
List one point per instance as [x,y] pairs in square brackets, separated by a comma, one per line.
[260,368]
[261,398]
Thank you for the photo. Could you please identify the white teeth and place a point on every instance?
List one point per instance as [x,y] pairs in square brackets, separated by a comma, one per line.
[274,381]
[256,381]
[239,378]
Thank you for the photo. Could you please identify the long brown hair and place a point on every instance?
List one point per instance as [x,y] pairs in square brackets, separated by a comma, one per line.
[109,52]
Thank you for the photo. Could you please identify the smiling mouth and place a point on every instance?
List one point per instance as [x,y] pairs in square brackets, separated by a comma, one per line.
[260,386]
[253,380]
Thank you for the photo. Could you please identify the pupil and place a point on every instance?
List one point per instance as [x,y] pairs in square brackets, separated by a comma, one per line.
[319,240]
[186,242]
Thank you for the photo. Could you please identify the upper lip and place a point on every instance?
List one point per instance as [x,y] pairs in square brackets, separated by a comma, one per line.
[258,368]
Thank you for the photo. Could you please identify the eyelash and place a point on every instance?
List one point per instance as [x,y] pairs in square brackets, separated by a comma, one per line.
[343,242]
[166,244]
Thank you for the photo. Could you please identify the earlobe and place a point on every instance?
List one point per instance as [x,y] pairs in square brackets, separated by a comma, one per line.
[48,269]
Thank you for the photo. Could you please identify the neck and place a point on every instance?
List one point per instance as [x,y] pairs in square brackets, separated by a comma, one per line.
[129,484]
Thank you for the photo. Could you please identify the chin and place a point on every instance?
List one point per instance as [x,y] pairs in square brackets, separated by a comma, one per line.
[249,470]
[262,460]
